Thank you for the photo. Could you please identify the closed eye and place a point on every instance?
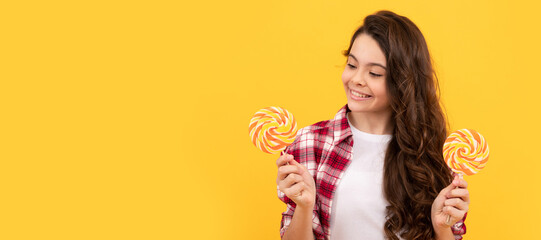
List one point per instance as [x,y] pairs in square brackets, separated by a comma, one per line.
[371,73]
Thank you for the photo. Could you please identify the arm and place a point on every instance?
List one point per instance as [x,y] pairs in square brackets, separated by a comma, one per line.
[455,232]
[296,188]
[300,227]
[452,201]
[444,234]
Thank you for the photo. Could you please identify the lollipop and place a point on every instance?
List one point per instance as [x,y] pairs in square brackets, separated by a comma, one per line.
[466,152]
[272,129]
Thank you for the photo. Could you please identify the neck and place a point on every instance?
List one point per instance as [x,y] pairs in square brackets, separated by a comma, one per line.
[374,123]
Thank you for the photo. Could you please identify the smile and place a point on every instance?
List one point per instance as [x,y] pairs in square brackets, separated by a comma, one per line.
[359,96]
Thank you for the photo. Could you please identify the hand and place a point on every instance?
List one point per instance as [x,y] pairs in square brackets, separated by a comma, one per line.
[295,181]
[451,201]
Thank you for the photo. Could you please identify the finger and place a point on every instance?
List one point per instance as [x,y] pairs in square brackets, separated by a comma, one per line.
[292,179]
[302,168]
[461,193]
[280,160]
[458,181]
[283,160]
[283,171]
[295,190]
[289,181]
[457,203]
[446,190]
[455,213]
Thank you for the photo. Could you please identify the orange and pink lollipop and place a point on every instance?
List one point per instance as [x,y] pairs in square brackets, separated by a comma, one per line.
[272,129]
[466,152]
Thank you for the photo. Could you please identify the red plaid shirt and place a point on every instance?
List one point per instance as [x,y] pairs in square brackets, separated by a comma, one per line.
[325,149]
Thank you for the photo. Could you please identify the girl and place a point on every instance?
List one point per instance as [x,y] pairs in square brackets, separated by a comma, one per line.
[376,171]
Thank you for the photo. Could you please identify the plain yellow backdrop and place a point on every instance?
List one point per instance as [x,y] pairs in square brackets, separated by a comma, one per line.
[129,119]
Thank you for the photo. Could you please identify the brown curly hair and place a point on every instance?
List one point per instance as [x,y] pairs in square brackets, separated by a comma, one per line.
[414,169]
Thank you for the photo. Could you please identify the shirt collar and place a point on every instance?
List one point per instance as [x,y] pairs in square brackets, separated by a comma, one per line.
[341,126]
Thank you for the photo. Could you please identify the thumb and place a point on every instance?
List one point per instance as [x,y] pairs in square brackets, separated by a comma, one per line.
[294,162]
[446,190]
[304,171]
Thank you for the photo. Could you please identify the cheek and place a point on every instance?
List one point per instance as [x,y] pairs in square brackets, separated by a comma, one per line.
[382,91]
[345,77]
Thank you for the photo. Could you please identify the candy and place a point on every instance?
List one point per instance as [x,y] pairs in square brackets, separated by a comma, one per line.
[465,151]
[272,129]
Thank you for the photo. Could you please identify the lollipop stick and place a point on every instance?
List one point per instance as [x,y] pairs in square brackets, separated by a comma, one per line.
[448,222]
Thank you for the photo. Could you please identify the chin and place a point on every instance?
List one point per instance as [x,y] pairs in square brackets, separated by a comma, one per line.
[354,107]
[360,107]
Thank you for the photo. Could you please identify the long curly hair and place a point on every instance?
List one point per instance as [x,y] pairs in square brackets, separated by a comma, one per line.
[414,169]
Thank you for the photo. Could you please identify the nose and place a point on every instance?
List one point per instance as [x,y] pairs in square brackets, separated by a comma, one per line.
[358,79]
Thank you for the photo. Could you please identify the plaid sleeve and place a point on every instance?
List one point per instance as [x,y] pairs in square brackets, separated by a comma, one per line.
[288,214]
[459,228]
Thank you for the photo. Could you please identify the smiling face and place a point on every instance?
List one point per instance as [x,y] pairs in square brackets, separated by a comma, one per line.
[364,77]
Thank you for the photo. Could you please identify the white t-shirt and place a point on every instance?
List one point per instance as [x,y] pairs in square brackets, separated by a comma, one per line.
[358,209]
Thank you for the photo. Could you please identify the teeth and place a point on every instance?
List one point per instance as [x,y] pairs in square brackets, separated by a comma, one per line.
[360,95]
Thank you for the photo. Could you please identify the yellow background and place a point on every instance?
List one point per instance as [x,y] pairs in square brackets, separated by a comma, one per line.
[128,119]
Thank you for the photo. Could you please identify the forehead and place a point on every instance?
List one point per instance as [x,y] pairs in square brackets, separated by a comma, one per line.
[366,49]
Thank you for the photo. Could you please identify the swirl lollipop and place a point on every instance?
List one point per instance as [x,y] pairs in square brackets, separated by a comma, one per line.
[466,152]
[272,129]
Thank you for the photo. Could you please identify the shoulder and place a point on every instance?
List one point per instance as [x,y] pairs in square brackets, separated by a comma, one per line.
[311,140]
[319,130]
[322,131]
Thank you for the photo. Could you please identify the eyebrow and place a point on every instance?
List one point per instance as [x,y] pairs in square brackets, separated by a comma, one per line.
[369,64]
